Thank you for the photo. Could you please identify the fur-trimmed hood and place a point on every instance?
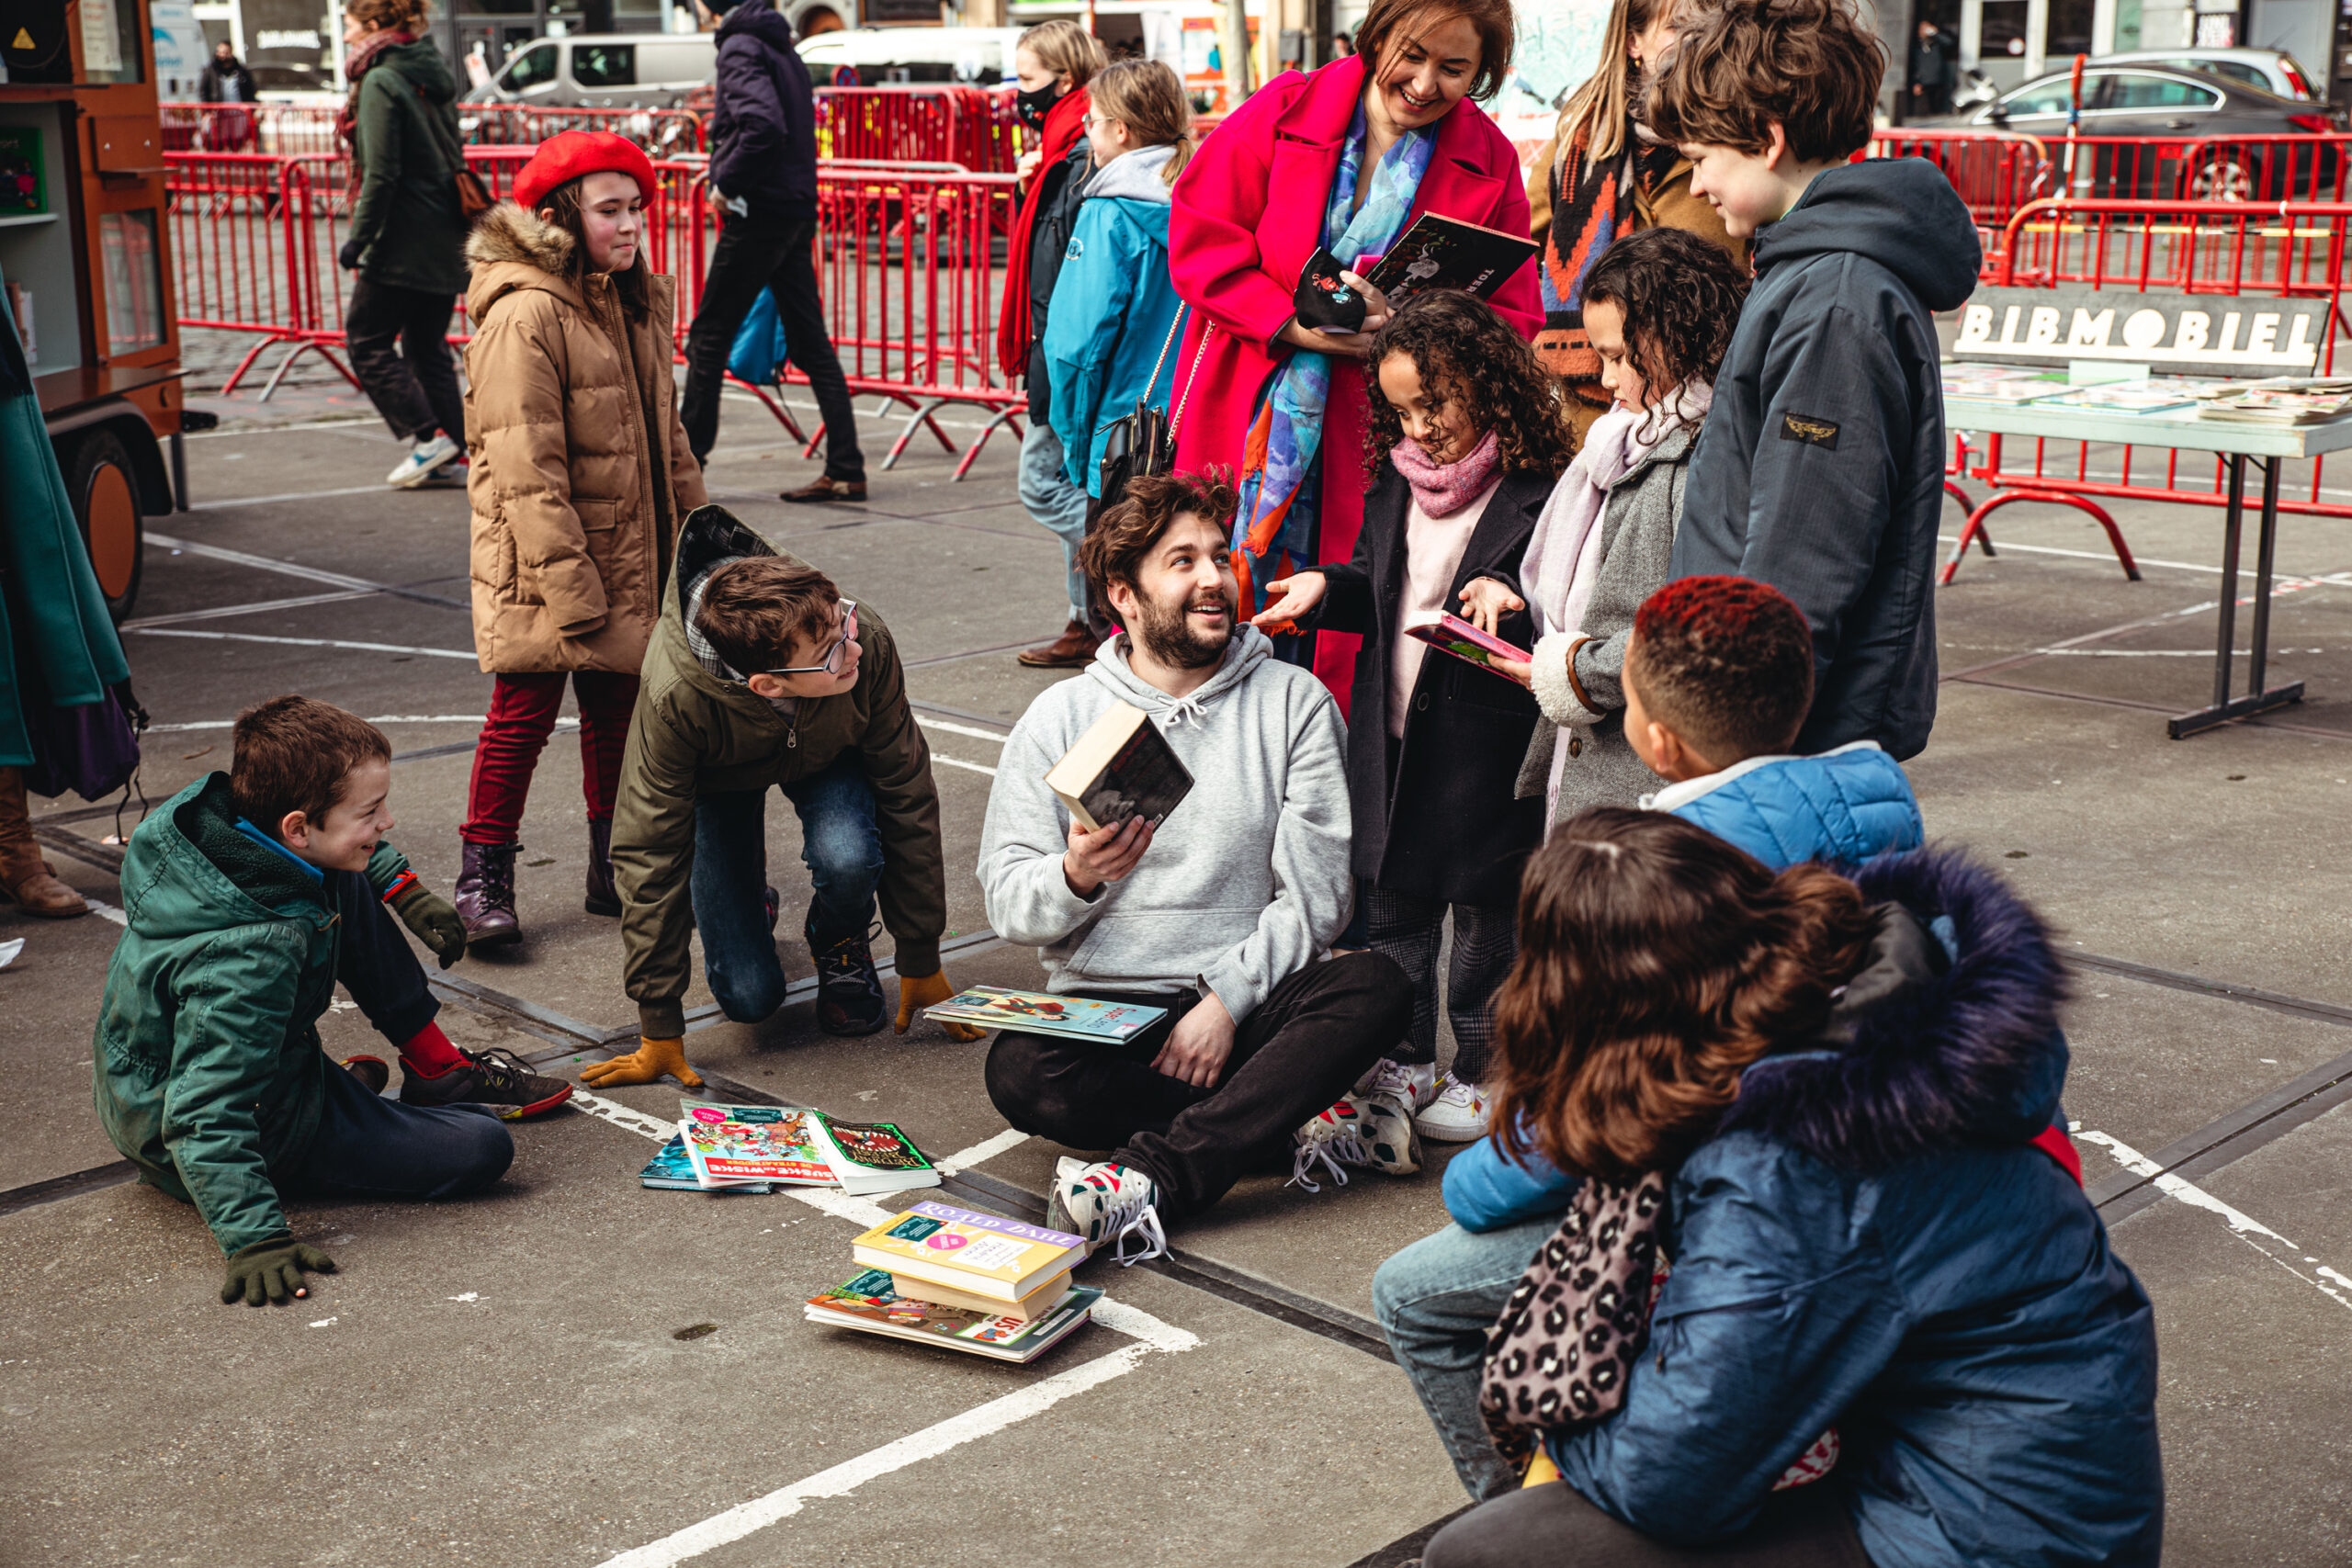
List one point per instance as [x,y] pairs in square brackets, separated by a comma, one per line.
[511,247]
[1948,1038]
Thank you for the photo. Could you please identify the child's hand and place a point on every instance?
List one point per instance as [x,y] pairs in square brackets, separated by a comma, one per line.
[1486,602]
[1301,592]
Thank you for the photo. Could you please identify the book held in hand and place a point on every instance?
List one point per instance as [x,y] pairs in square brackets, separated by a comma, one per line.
[1121,767]
[1452,634]
[1446,252]
[982,1253]
[1042,1012]
[870,1304]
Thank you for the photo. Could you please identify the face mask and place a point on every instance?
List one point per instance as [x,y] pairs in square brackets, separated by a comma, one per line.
[1031,107]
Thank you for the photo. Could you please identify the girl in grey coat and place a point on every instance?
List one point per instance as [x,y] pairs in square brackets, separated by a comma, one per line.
[1660,308]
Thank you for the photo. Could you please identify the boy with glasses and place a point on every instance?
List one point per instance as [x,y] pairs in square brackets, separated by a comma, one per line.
[762,674]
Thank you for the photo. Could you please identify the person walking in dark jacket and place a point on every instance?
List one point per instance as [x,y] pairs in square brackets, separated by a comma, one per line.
[226,82]
[1821,468]
[763,187]
[1932,72]
[407,235]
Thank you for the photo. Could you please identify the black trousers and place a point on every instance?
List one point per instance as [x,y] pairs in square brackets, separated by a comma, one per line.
[750,256]
[375,963]
[1553,1525]
[1312,1037]
[414,388]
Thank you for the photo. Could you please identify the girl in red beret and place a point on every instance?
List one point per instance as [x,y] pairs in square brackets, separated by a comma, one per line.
[580,477]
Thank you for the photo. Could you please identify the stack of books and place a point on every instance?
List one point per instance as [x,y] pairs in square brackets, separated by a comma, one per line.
[2281,399]
[758,1148]
[966,1281]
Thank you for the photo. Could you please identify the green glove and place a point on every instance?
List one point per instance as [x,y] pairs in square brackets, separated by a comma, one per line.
[272,1269]
[434,921]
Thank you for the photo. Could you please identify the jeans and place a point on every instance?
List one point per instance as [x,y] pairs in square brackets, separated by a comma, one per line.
[1296,1055]
[1059,505]
[1807,1527]
[416,388]
[371,1145]
[1435,1300]
[840,845]
[1410,929]
[522,715]
[778,258]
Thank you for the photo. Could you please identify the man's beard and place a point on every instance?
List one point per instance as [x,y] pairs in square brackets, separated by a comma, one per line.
[1170,637]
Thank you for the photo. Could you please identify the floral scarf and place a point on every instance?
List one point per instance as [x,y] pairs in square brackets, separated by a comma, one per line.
[1279,494]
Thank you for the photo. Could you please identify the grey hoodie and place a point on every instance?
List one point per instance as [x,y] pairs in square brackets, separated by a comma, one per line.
[1245,884]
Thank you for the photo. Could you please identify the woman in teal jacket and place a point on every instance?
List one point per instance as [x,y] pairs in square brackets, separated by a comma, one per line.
[1107,331]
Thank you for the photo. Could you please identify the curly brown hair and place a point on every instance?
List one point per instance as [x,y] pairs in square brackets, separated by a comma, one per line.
[1681,296]
[1655,962]
[1467,353]
[1809,65]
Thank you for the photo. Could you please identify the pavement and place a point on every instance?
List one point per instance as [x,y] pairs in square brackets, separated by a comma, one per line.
[534,1377]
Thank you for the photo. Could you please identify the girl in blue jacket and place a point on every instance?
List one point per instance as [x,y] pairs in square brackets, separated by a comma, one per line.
[1107,329]
[1839,1083]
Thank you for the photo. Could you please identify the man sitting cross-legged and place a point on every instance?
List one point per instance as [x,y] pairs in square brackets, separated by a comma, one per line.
[1223,915]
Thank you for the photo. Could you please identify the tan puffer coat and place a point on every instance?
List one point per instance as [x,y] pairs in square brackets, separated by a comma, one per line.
[577,490]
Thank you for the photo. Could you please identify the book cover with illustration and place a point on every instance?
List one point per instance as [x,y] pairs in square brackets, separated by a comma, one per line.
[875,1157]
[670,1170]
[1446,252]
[1041,1013]
[984,1254]
[1452,634]
[1121,767]
[753,1143]
[869,1304]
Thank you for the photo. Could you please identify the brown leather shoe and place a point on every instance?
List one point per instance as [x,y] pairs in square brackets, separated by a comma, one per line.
[1075,647]
[27,879]
[825,488]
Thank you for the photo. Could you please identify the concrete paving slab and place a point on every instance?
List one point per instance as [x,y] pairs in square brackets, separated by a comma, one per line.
[49,997]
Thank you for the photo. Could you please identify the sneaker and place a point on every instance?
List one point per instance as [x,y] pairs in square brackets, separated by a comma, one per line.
[1457,1114]
[1411,1084]
[1106,1203]
[1370,1134]
[496,1078]
[421,464]
[849,990]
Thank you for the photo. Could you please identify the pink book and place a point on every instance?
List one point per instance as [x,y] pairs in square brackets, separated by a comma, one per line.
[1452,634]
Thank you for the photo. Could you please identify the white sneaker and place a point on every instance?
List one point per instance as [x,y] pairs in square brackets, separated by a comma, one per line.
[1412,1086]
[1107,1202]
[420,463]
[1457,1114]
[1375,1133]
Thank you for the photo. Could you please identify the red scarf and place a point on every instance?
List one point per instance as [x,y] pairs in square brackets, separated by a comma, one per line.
[1065,123]
[355,66]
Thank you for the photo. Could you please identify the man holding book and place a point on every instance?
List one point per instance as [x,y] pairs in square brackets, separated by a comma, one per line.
[1221,914]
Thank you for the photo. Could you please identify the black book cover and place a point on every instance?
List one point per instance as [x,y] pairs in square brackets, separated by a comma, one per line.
[1445,253]
[1143,779]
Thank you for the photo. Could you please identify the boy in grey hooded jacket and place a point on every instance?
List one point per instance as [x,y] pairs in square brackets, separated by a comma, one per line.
[1233,901]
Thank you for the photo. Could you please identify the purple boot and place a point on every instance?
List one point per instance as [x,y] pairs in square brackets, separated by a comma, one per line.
[486,895]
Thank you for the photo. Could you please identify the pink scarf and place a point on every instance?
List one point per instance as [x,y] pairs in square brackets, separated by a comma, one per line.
[1444,488]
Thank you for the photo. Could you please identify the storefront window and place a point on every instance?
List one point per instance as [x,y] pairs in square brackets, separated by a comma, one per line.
[111,50]
[2068,31]
[2004,30]
[135,281]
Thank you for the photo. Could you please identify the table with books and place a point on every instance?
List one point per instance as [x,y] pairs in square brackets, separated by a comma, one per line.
[2266,421]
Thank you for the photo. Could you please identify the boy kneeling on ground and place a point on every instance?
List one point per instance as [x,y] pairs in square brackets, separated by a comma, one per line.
[246,898]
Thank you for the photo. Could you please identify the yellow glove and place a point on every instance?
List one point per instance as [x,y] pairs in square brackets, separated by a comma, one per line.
[918,991]
[645,1064]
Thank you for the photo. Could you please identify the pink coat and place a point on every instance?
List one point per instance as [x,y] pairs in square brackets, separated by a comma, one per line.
[1248,214]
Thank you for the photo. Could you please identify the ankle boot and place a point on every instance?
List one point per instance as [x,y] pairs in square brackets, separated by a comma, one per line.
[24,876]
[603,898]
[486,895]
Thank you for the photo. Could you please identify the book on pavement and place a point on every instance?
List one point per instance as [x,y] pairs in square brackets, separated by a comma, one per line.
[870,1304]
[984,1255]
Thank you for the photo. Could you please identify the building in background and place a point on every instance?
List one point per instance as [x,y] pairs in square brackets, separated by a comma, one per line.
[2011,41]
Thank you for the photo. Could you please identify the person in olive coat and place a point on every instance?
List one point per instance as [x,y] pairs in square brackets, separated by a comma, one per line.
[407,235]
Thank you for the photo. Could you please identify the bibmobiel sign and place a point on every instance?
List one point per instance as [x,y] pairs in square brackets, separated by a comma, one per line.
[2197,334]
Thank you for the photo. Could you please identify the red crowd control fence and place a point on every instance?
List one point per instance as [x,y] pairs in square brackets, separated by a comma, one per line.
[300,130]
[927,124]
[2294,250]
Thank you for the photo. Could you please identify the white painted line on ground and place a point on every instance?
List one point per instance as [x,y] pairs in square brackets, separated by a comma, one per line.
[619,1115]
[2208,569]
[466,654]
[959,762]
[982,1152]
[2165,652]
[108,912]
[945,728]
[747,1519]
[266,563]
[2246,1229]
[301,495]
[379,718]
[259,606]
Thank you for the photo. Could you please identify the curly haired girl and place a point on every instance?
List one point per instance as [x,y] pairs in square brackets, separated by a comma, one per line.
[1468,436]
[1660,306]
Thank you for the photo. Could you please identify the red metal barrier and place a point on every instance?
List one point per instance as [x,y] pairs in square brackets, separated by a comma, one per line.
[292,130]
[2222,248]
[1994,173]
[927,124]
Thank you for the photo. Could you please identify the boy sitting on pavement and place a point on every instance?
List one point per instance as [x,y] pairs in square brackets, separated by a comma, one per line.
[760,674]
[1222,915]
[246,898]
[1821,467]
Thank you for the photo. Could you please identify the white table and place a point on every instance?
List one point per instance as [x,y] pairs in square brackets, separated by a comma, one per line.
[2267,444]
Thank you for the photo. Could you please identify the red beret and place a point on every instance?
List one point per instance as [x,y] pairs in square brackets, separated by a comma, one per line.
[572,153]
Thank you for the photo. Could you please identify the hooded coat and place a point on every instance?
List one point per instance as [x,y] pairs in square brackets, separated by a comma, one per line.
[580,470]
[405,220]
[1821,468]
[1870,1243]
[695,732]
[1247,880]
[1106,332]
[208,1069]
[764,119]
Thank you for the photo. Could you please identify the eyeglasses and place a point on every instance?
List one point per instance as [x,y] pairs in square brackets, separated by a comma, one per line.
[836,654]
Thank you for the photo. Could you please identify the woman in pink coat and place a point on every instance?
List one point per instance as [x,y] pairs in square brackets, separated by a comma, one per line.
[1345,158]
